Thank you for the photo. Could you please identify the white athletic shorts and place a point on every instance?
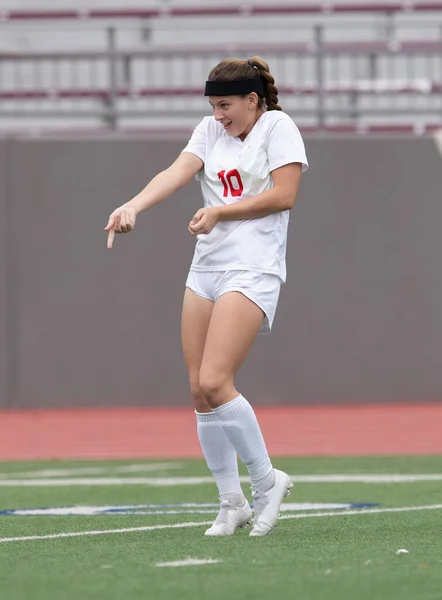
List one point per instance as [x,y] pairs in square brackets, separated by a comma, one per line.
[260,288]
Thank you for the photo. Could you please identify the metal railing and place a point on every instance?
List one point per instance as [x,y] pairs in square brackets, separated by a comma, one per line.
[298,8]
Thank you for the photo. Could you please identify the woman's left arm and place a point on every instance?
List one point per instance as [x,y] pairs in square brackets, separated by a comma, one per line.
[279,198]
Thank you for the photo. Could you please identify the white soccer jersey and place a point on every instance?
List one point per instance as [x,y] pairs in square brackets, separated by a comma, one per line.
[235,170]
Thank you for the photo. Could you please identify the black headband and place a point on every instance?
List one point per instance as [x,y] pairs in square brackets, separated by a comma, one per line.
[234,88]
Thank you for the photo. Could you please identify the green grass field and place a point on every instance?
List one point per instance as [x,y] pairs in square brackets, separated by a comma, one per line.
[334,550]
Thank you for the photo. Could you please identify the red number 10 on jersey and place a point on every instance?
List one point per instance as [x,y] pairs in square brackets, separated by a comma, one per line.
[228,179]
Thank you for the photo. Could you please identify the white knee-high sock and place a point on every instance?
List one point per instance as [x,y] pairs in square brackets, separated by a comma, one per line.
[220,456]
[239,423]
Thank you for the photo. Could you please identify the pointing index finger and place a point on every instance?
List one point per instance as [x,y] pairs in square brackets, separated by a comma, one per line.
[110,238]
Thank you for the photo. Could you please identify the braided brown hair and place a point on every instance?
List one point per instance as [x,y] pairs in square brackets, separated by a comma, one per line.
[230,69]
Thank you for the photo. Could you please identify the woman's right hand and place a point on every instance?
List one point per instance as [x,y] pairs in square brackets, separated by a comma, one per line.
[122,220]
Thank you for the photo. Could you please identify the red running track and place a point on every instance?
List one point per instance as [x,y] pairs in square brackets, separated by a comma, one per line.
[119,433]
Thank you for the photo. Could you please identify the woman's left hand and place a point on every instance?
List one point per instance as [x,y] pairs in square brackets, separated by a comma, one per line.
[204,221]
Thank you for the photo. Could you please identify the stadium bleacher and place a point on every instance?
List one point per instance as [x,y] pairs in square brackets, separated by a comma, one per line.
[353,66]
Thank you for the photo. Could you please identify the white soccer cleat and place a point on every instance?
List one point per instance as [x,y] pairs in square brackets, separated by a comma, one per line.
[230,517]
[267,504]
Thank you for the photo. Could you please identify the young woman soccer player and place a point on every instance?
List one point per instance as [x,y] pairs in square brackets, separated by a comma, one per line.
[248,157]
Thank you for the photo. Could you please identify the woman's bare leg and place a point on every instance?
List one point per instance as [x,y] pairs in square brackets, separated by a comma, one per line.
[195,320]
[233,327]
[217,449]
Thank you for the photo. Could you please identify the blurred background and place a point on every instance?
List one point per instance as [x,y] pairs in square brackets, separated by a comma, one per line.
[97,97]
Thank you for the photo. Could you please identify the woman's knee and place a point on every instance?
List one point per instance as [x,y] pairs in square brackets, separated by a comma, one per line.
[198,399]
[214,386]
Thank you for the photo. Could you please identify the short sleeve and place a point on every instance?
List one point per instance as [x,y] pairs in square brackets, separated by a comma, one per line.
[285,145]
[198,142]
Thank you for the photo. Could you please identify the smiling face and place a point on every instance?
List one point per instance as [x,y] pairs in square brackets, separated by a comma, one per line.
[236,113]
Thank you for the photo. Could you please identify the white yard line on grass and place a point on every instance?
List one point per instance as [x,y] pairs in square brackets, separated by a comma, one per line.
[189,562]
[370,511]
[364,511]
[368,478]
[176,481]
[135,468]
[158,509]
[102,532]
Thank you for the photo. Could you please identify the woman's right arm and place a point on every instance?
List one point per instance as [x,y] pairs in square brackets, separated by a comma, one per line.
[167,182]
[163,185]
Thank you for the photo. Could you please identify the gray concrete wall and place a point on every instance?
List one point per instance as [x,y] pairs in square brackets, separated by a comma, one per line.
[359,319]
